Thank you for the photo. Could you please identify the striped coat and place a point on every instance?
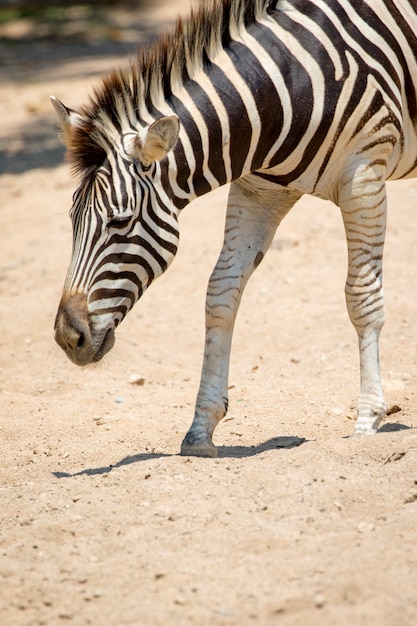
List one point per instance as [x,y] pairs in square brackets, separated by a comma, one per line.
[277,98]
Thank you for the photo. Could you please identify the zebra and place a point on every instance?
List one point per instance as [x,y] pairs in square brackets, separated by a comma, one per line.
[278,98]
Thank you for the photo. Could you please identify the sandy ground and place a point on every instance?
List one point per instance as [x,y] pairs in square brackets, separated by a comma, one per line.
[101,522]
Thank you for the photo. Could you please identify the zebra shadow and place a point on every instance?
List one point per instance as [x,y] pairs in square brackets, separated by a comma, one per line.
[237,452]
[223,452]
[393,427]
[106,469]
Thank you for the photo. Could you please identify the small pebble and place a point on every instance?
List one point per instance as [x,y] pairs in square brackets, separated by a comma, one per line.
[136,379]
[365,527]
[319,600]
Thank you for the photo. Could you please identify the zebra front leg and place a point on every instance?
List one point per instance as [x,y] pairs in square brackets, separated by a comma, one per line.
[253,215]
[364,216]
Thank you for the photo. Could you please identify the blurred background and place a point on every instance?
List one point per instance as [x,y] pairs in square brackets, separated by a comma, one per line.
[62,29]
[48,41]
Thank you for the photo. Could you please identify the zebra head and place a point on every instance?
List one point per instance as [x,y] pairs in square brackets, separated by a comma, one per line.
[124,228]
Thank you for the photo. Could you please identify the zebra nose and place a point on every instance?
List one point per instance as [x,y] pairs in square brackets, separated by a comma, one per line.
[72,331]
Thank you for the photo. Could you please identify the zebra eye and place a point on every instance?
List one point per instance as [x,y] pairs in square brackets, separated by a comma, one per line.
[119,220]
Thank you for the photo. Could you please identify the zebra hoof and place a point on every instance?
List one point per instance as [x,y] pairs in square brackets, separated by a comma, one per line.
[361,431]
[368,424]
[198,448]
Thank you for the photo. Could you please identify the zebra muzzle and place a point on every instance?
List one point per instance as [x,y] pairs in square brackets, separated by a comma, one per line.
[83,341]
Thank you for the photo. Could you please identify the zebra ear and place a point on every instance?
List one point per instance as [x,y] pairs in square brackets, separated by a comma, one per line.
[67,119]
[154,143]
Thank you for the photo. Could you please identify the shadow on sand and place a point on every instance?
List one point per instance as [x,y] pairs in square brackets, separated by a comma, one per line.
[223,452]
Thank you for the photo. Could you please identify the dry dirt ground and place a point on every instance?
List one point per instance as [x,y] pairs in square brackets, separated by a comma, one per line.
[101,522]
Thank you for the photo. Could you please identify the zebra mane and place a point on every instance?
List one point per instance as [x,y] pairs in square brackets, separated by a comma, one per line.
[126,97]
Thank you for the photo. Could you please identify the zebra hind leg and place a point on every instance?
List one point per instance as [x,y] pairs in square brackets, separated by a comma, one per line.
[363,203]
[255,208]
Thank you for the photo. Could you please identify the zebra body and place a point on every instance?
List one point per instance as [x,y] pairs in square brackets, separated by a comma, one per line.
[279,99]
